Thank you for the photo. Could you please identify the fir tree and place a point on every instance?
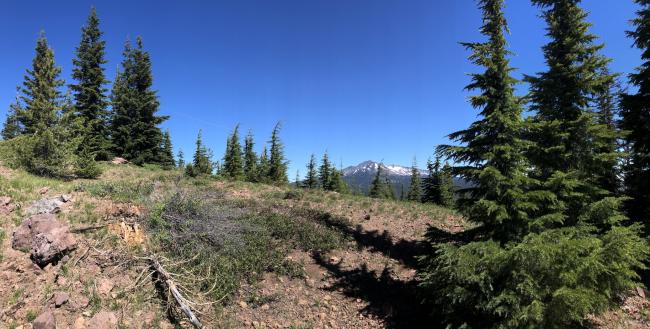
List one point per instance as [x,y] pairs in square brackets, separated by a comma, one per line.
[429,183]
[569,155]
[201,164]
[12,127]
[277,162]
[250,158]
[136,135]
[89,93]
[636,120]
[233,165]
[40,93]
[491,148]
[337,184]
[167,152]
[415,190]
[446,190]
[324,172]
[181,159]
[311,180]
[381,188]
[263,167]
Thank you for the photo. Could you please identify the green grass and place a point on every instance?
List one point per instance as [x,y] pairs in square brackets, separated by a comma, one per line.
[3,235]
[120,191]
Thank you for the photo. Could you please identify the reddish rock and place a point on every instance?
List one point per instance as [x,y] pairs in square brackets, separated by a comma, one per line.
[6,206]
[46,238]
[103,320]
[61,298]
[44,321]
[640,291]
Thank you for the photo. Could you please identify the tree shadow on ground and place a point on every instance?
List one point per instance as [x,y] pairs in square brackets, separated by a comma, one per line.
[394,301]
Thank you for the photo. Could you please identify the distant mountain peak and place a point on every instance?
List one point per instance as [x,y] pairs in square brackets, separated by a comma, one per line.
[370,167]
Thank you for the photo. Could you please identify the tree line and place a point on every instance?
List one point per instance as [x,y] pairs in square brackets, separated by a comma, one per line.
[62,135]
[560,233]
[241,164]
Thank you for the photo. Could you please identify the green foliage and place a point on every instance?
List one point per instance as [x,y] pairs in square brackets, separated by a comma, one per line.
[324,172]
[201,164]
[167,152]
[415,191]
[181,159]
[135,132]
[233,164]
[380,188]
[250,158]
[86,165]
[12,127]
[636,120]
[91,102]
[553,279]
[311,180]
[277,171]
[438,186]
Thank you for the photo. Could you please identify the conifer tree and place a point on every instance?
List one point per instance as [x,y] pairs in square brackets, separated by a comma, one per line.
[324,172]
[569,153]
[429,183]
[12,127]
[415,191]
[233,165]
[381,188]
[311,180]
[201,164]
[250,158]
[135,131]
[636,120]
[91,102]
[263,167]
[548,264]
[40,92]
[277,162]
[445,187]
[337,184]
[167,152]
[181,159]
[491,148]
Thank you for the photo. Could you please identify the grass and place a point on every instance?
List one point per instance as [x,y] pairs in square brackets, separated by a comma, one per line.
[3,235]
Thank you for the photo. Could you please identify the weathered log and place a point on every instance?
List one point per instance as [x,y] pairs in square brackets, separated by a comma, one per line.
[166,280]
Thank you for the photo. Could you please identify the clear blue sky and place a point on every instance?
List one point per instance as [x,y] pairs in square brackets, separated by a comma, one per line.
[363,79]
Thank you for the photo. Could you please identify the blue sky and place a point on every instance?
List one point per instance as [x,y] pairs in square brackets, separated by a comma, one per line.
[363,79]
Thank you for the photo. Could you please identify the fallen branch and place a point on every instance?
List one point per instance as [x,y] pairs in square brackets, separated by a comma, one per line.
[165,278]
[88,228]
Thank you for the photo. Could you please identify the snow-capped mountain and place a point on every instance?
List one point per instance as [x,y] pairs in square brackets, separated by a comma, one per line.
[360,177]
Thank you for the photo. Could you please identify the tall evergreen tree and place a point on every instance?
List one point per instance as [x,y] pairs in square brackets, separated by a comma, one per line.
[568,155]
[324,173]
[635,114]
[250,158]
[311,180]
[536,275]
[12,127]
[491,148]
[40,93]
[135,130]
[167,152]
[201,164]
[337,184]
[233,164]
[277,162]
[263,167]
[415,191]
[181,159]
[380,187]
[91,102]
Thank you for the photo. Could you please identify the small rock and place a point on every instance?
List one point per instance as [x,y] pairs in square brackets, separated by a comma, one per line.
[302,302]
[80,323]
[86,314]
[265,307]
[327,297]
[322,316]
[640,291]
[43,190]
[366,217]
[103,320]
[310,283]
[334,259]
[243,304]
[66,197]
[44,321]
[61,298]
[105,286]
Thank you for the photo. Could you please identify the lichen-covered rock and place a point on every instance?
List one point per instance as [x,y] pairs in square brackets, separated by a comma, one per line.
[47,206]
[45,321]
[47,239]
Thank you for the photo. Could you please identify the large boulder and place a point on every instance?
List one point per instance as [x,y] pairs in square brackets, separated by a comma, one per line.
[48,206]
[47,239]
[119,161]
